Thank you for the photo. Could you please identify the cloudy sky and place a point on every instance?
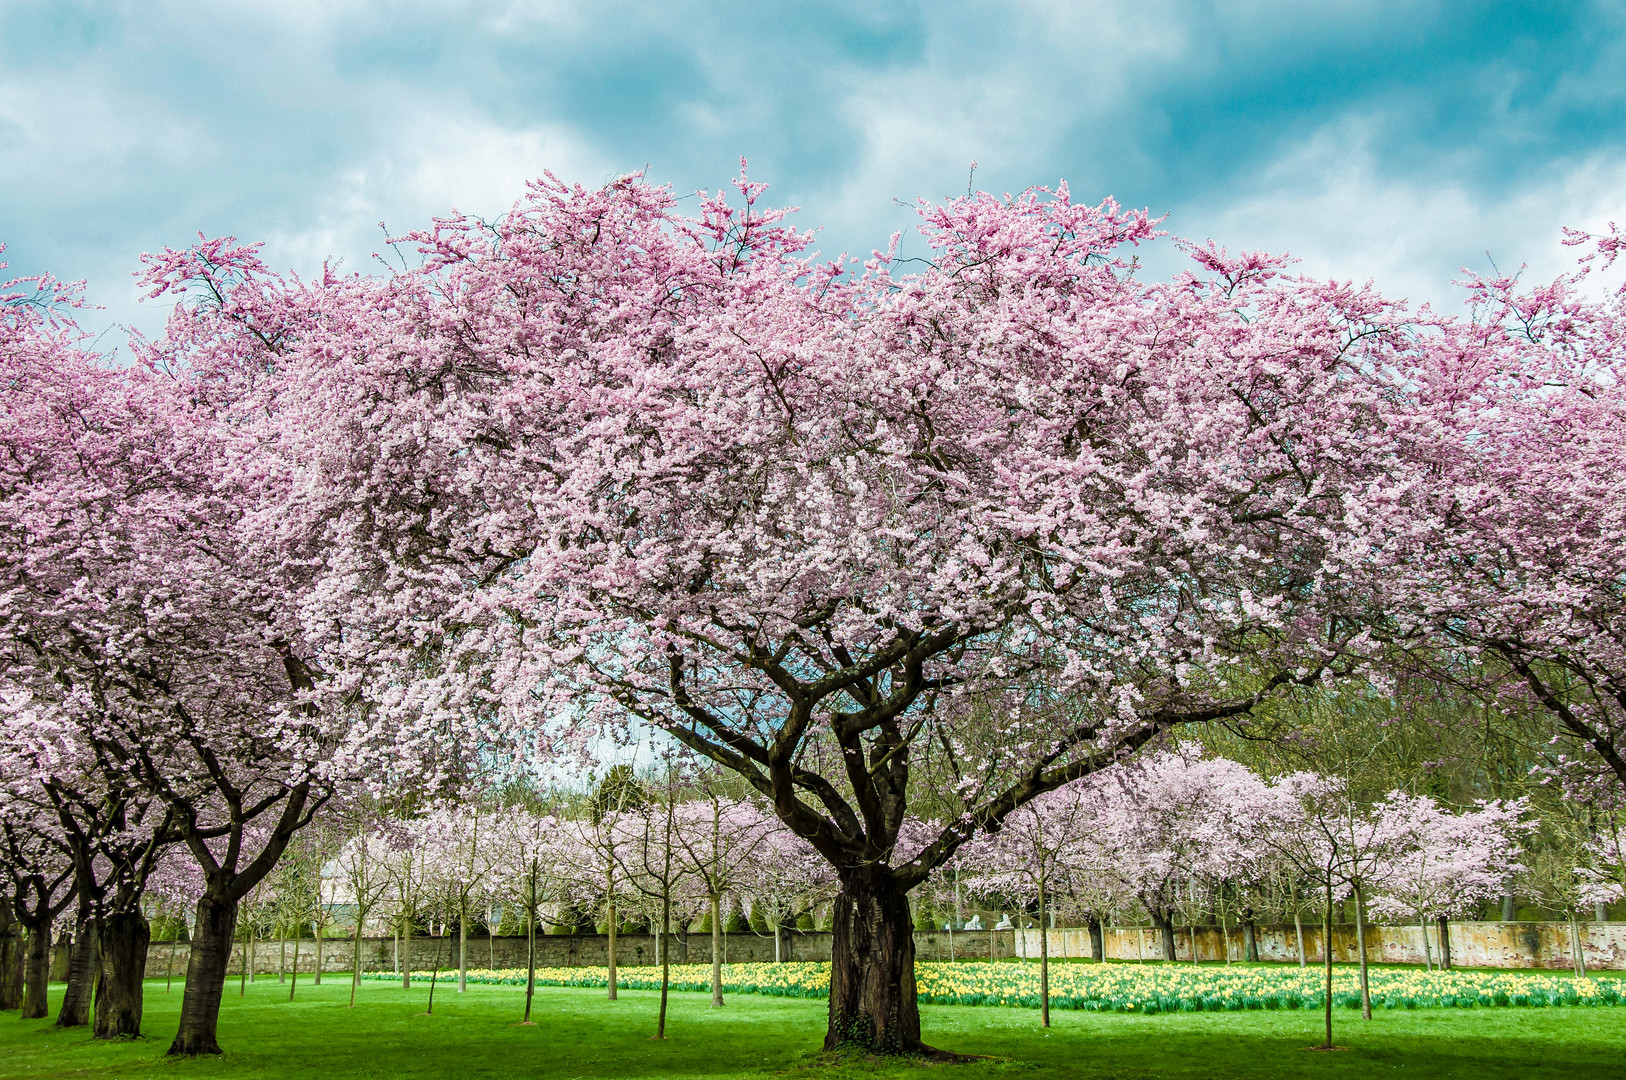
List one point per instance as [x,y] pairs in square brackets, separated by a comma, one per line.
[1398,141]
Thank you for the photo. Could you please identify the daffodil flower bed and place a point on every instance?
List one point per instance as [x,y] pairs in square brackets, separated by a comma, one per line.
[1113,987]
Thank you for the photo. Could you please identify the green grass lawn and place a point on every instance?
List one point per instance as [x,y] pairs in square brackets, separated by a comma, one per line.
[579,1034]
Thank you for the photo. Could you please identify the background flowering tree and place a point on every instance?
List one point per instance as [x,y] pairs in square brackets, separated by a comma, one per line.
[1442,864]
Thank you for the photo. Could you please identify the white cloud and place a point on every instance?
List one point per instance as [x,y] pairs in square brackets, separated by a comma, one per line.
[1331,202]
[437,164]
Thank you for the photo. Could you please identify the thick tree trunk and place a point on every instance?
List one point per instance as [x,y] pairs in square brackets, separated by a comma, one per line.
[212,937]
[1250,941]
[1165,927]
[872,969]
[1098,940]
[125,937]
[37,973]
[1510,908]
[1445,943]
[11,958]
[82,965]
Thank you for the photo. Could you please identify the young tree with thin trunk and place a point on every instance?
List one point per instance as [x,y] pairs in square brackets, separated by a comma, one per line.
[717,838]
[651,864]
[531,867]
[362,881]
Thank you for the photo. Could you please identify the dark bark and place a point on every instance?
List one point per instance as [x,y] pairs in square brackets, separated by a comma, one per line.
[1445,943]
[83,962]
[1164,921]
[12,949]
[872,968]
[1250,939]
[125,936]
[1098,940]
[61,954]
[37,973]
[212,936]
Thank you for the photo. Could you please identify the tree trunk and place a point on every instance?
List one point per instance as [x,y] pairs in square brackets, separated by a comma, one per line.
[1326,955]
[355,960]
[1360,947]
[1510,909]
[125,937]
[1579,949]
[1165,927]
[282,953]
[295,984]
[1044,963]
[82,965]
[463,950]
[1098,940]
[1250,939]
[609,950]
[530,958]
[405,954]
[212,937]
[666,942]
[1428,950]
[872,968]
[37,973]
[1600,912]
[1445,942]
[12,949]
[716,952]
[316,975]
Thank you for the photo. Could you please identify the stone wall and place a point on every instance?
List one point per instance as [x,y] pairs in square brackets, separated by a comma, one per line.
[1473,944]
[379,954]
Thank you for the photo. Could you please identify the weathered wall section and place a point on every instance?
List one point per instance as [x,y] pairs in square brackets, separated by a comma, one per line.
[1473,944]
[1482,944]
[378,954]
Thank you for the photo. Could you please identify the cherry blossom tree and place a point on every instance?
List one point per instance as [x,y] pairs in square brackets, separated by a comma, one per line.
[1507,574]
[1443,863]
[785,879]
[39,885]
[717,841]
[529,869]
[598,461]
[1306,832]
[1033,849]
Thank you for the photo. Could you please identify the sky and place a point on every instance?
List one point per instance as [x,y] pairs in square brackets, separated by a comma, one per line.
[1394,141]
